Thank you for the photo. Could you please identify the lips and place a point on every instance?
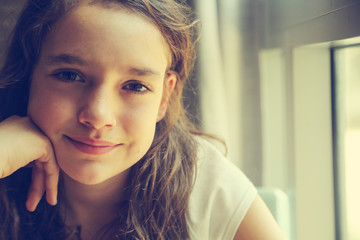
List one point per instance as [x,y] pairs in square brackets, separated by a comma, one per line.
[90,146]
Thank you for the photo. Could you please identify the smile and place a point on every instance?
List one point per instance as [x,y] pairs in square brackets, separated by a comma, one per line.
[92,147]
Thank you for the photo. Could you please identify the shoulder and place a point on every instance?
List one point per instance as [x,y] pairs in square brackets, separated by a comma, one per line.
[221,195]
[259,224]
[213,167]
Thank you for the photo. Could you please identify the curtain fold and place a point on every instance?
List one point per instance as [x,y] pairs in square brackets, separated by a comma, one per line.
[220,71]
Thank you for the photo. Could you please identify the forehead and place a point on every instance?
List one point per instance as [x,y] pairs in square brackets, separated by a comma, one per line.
[115,33]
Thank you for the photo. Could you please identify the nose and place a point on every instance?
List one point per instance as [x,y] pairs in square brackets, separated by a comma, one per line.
[98,110]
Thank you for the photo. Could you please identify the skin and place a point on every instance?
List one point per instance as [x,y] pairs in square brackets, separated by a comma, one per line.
[259,224]
[113,93]
[21,142]
[82,93]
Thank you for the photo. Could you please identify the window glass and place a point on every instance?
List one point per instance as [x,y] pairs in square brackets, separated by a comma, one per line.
[347,140]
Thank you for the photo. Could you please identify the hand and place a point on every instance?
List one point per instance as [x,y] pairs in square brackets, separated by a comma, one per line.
[21,143]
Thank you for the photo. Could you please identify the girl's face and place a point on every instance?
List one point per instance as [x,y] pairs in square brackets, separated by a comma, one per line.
[98,90]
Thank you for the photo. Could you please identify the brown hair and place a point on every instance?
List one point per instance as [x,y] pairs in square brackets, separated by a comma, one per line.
[161,182]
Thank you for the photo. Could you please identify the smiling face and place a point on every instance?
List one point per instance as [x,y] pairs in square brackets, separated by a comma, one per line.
[100,86]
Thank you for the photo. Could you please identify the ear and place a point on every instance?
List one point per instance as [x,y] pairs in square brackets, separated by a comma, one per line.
[169,85]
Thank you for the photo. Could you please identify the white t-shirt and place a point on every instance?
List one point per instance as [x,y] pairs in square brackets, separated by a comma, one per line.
[221,196]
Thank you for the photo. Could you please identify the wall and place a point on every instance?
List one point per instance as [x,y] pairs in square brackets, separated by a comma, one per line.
[9,11]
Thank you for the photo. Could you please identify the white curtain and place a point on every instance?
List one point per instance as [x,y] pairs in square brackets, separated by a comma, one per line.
[219,72]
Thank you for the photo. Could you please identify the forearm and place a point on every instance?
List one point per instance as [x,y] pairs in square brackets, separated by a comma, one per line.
[21,143]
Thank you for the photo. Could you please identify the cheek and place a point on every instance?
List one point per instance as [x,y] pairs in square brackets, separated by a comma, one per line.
[140,118]
[47,110]
[139,125]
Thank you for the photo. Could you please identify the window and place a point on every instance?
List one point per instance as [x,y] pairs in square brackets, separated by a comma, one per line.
[346,85]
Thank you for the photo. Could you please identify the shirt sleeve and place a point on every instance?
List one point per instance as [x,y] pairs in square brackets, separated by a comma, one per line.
[221,196]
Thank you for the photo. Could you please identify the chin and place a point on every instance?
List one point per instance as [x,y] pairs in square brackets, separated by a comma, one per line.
[85,179]
[87,176]
[90,180]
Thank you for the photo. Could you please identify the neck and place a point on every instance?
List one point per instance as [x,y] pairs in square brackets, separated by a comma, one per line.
[93,206]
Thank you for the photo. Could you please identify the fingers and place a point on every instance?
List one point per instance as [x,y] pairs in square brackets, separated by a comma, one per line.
[45,179]
[21,143]
[51,170]
[36,189]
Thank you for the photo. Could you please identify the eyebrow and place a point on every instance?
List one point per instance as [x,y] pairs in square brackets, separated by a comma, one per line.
[72,59]
[141,71]
[65,58]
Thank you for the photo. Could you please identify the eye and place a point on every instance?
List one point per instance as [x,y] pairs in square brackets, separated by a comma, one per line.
[68,76]
[136,87]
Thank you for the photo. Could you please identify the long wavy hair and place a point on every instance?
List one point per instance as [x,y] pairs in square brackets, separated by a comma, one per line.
[161,182]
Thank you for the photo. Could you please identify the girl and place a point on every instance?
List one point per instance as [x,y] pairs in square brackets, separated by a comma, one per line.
[91,105]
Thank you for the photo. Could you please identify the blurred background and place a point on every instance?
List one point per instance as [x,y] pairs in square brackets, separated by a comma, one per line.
[279,81]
